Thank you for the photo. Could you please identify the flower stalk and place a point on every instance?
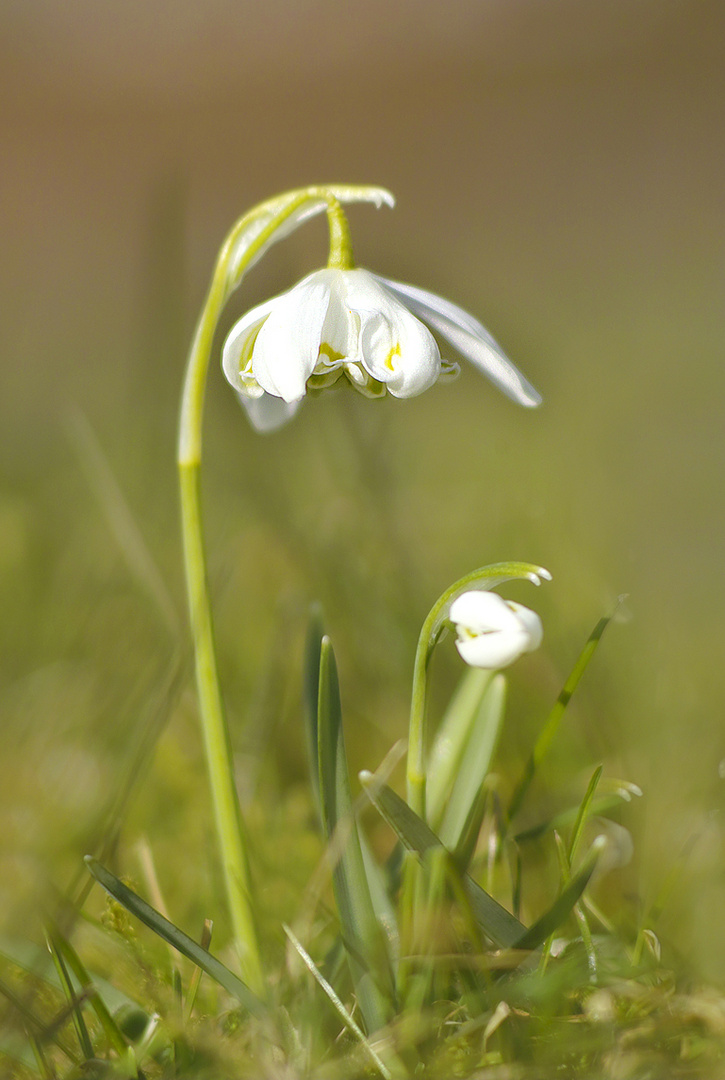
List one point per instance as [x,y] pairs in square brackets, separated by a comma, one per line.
[486,577]
[247,241]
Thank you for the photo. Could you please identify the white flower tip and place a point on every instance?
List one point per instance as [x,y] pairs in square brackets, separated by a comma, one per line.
[540,574]
[383,197]
[530,398]
[365,777]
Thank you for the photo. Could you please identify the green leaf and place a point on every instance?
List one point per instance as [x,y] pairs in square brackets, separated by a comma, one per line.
[562,907]
[583,812]
[337,1004]
[450,741]
[311,686]
[36,961]
[176,937]
[464,812]
[48,1033]
[495,921]
[113,1032]
[73,1001]
[362,935]
[550,728]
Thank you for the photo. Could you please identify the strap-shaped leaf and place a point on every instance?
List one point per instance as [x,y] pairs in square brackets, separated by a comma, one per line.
[562,907]
[495,921]
[464,812]
[311,689]
[363,936]
[176,937]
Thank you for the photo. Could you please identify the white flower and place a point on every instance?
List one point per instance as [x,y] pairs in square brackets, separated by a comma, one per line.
[493,632]
[354,324]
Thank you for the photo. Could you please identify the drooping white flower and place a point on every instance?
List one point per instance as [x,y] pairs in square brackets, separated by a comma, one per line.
[354,324]
[493,632]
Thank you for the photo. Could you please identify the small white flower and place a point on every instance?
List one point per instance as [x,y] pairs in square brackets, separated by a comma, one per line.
[493,632]
[354,324]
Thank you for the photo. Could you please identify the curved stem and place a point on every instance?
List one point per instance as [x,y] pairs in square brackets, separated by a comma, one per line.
[340,257]
[417,734]
[485,577]
[228,819]
[248,239]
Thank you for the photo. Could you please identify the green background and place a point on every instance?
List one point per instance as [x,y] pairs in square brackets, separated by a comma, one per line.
[559,171]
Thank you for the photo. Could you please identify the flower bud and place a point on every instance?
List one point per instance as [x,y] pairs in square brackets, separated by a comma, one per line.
[493,632]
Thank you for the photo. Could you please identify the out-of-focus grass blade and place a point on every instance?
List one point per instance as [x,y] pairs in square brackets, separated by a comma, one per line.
[176,937]
[560,910]
[311,688]
[37,962]
[26,1051]
[451,740]
[46,1033]
[553,720]
[380,895]
[559,821]
[583,812]
[363,936]
[119,517]
[196,976]
[79,1023]
[495,921]
[465,801]
[66,951]
[337,1004]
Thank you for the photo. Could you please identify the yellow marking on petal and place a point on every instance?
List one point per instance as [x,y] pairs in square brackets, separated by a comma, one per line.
[395,351]
[329,353]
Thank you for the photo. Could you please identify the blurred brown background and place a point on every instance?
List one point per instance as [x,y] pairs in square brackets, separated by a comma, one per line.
[559,170]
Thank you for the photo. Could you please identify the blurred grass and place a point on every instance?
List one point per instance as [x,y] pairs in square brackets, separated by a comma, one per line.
[576,208]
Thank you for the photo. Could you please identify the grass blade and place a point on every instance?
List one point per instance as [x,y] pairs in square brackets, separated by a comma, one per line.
[583,812]
[451,740]
[551,726]
[465,800]
[176,937]
[46,1033]
[113,1032]
[337,1004]
[362,934]
[196,977]
[495,921]
[562,907]
[79,1023]
[311,688]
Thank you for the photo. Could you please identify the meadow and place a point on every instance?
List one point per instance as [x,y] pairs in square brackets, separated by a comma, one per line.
[574,208]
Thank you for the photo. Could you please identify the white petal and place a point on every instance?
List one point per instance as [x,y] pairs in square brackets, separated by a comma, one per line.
[340,332]
[395,347]
[481,611]
[493,632]
[470,338]
[492,651]
[288,344]
[237,342]
[267,413]
[531,623]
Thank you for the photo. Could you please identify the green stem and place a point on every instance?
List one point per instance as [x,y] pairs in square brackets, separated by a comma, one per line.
[340,257]
[249,238]
[417,735]
[227,815]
